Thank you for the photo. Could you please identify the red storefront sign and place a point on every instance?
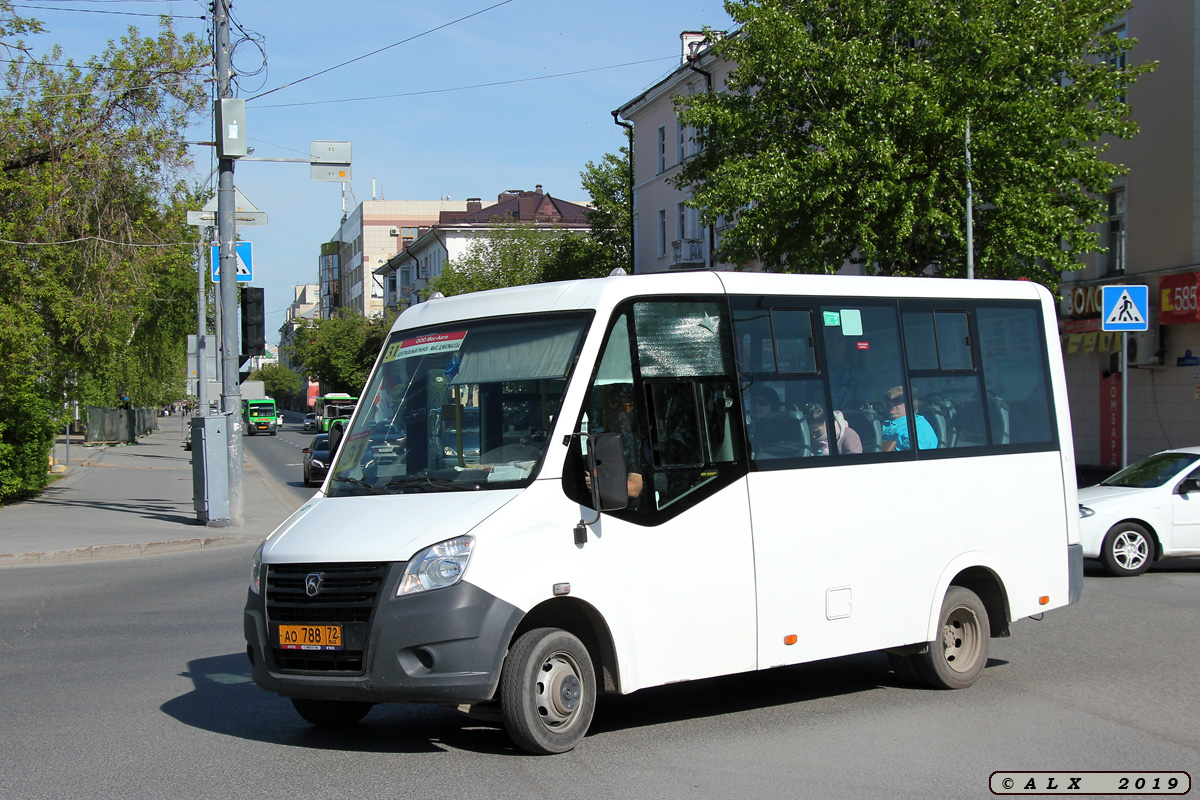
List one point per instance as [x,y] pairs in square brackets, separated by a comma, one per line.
[1179,298]
[1110,420]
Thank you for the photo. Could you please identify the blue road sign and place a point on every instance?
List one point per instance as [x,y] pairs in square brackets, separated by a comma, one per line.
[245,263]
[1125,308]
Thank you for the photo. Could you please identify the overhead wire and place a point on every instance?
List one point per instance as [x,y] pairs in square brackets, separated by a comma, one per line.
[464,88]
[380,50]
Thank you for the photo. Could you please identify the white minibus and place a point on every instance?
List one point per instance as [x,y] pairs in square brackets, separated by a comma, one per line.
[553,491]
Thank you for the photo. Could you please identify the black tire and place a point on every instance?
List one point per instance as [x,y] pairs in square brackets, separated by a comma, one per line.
[330,713]
[547,691]
[1128,550]
[957,657]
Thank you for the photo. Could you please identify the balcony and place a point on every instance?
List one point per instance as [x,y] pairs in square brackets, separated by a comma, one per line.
[686,253]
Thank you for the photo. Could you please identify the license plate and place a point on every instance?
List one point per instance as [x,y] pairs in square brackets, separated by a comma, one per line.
[310,637]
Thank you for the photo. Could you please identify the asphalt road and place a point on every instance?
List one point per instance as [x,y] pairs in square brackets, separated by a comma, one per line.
[129,679]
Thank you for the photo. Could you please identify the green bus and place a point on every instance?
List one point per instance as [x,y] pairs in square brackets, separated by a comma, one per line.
[260,416]
[333,406]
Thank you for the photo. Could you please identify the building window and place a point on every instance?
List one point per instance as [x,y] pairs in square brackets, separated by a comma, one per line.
[662,232]
[680,140]
[1115,260]
[662,149]
[1117,60]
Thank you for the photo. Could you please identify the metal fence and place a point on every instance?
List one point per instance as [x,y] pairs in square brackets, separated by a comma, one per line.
[118,425]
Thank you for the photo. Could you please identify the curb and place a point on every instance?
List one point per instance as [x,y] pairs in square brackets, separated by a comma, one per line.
[105,552]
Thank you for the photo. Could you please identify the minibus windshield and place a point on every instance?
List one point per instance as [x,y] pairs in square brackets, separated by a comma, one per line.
[461,407]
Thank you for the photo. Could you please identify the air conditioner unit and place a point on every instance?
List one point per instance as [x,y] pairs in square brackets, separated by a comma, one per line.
[393,231]
[1145,349]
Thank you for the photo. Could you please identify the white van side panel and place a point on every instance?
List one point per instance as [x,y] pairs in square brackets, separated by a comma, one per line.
[678,598]
[851,559]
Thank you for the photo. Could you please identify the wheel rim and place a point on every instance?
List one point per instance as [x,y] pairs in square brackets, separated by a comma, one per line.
[961,640]
[558,691]
[1130,549]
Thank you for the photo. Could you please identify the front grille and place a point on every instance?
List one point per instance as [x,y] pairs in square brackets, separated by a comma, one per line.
[347,597]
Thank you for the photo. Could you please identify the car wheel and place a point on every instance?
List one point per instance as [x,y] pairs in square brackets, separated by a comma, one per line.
[547,691]
[330,713]
[1128,549]
[956,658]
[307,479]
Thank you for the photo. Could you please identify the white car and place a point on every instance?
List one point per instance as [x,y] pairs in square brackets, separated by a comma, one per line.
[1147,511]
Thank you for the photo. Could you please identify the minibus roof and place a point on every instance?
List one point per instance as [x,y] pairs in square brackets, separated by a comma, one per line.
[602,294]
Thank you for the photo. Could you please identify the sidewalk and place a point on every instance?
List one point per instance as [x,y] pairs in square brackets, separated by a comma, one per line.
[119,501]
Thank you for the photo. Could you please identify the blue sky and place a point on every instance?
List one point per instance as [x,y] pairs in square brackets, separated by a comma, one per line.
[467,142]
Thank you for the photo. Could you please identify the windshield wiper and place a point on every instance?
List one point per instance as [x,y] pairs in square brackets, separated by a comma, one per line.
[357,482]
[425,480]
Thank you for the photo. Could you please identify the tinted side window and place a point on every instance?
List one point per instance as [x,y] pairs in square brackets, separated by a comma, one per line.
[1014,366]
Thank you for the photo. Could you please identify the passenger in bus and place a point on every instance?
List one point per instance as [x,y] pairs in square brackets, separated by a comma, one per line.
[895,428]
[774,433]
[847,439]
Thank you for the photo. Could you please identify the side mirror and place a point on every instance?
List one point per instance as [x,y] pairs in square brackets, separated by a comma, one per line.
[1188,486]
[306,451]
[606,461]
[336,429]
[605,465]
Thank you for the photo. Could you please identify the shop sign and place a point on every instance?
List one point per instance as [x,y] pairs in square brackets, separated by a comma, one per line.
[1179,298]
[1110,420]
[1082,300]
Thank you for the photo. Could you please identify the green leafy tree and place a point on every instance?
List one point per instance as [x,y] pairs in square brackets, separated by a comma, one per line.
[95,288]
[339,352]
[278,381]
[842,134]
[519,253]
[607,183]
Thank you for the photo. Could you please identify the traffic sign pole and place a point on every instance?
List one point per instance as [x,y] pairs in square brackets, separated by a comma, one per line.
[1125,308]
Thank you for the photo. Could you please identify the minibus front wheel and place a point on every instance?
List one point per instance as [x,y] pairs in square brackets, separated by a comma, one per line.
[547,691]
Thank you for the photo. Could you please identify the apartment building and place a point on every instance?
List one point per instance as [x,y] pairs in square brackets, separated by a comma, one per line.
[1153,238]
[667,233]
[304,307]
[368,236]
[405,275]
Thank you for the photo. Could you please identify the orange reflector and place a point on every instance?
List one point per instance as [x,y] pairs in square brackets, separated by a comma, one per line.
[789,639]
[1044,599]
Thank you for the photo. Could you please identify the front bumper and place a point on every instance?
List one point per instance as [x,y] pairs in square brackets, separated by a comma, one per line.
[444,646]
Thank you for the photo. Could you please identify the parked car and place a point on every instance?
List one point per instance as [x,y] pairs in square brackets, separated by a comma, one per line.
[1147,511]
[310,421]
[316,459]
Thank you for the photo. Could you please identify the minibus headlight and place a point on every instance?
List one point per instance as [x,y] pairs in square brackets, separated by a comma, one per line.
[256,567]
[1085,512]
[438,566]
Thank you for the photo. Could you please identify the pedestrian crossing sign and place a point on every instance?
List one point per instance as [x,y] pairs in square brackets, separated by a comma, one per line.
[1125,308]
[245,262]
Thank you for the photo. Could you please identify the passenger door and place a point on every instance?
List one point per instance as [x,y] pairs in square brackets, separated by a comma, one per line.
[675,568]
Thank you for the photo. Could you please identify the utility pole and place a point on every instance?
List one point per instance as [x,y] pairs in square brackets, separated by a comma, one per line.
[231,145]
[970,210]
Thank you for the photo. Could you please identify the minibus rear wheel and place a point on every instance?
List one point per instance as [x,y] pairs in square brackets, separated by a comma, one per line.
[330,713]
[547,691]
[955,659]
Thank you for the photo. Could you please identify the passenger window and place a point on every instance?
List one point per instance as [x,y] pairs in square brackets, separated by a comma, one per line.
[793,335]
[939,340]
[862,354]
[1015,376]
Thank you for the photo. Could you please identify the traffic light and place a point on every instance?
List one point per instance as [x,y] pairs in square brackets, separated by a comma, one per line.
[254,323]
